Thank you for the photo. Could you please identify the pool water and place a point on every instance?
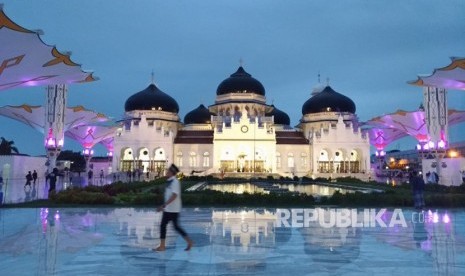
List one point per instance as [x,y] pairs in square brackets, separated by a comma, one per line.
[266,188]
[117,241]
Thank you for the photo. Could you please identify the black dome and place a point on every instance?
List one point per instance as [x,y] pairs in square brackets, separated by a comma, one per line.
[200,115]
[328,100]
[151,98]
[240,82]
[280,117]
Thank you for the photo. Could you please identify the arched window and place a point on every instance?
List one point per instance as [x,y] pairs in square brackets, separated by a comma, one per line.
[193,159]
[278,160]
[206,159]
[179,158]
[290,160]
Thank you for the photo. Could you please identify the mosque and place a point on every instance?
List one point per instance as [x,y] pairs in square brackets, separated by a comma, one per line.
[241,135]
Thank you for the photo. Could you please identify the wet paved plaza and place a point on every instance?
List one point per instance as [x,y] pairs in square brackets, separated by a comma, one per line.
[109,241]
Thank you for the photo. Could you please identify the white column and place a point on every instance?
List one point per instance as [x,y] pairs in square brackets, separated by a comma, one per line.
[435,105]
[55,108]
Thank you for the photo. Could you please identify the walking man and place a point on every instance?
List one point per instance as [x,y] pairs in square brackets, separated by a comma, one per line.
[171,209]
[28,179]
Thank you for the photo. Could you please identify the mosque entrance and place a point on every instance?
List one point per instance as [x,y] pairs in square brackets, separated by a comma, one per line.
[243,166]
[339,167]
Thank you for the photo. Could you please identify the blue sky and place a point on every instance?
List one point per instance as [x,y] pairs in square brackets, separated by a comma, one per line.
[368,50]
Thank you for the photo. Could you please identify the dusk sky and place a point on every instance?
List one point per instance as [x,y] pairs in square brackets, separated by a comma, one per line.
[367,49]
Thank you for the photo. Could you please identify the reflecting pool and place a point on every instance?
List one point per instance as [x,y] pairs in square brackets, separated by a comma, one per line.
[117,241]
[266,188]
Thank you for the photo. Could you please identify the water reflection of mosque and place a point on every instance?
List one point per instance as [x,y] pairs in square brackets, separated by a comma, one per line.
[241,239]
[140,228]
[249,229]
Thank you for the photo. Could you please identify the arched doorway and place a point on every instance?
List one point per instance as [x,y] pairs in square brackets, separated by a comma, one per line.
[354,161]
[158,162]
[325,161]
[339,166]
[259,160]
[127,160]
[227,159]
[144,160]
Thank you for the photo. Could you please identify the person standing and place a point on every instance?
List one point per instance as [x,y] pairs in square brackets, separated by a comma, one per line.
[436,178]
[171,209]
[90,175]
[52,180]
[418,187]
[102,176]
[34,177]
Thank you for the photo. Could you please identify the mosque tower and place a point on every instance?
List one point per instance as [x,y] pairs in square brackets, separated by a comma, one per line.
[145,141]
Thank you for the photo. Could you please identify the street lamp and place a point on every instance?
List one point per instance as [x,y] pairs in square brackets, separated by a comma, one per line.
[380,155]
[453,154]
[53,148]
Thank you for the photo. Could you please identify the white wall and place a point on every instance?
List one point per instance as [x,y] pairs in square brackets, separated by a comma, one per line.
[14,180]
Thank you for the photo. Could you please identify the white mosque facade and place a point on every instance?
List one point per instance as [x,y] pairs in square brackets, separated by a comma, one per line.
[241,135]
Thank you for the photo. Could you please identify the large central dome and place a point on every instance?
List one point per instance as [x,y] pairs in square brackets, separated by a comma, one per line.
[240,82]
[328,100]
[151,98]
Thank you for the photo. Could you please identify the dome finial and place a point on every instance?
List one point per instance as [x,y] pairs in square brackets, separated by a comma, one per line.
[319,81]
[241,62]
[152,77]
[327,81]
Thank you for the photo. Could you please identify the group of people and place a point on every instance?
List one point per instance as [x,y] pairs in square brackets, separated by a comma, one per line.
[135,174]
[50,178]
[31,178]
[90,176]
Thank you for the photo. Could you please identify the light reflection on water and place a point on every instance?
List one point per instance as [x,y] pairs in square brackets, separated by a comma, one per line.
[308,189]
[228,241]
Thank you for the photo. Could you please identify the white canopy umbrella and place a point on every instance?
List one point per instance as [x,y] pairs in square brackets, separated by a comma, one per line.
[451,76]
[25,60]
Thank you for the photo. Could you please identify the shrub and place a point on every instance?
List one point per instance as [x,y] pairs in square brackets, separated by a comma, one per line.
[77,196]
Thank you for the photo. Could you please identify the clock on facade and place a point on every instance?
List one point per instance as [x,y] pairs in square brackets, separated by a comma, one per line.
[244,129]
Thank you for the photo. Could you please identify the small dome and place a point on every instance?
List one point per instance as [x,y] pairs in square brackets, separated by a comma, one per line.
[200,115]
[280,117]
[328,100]
[240,82]
[151,98]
